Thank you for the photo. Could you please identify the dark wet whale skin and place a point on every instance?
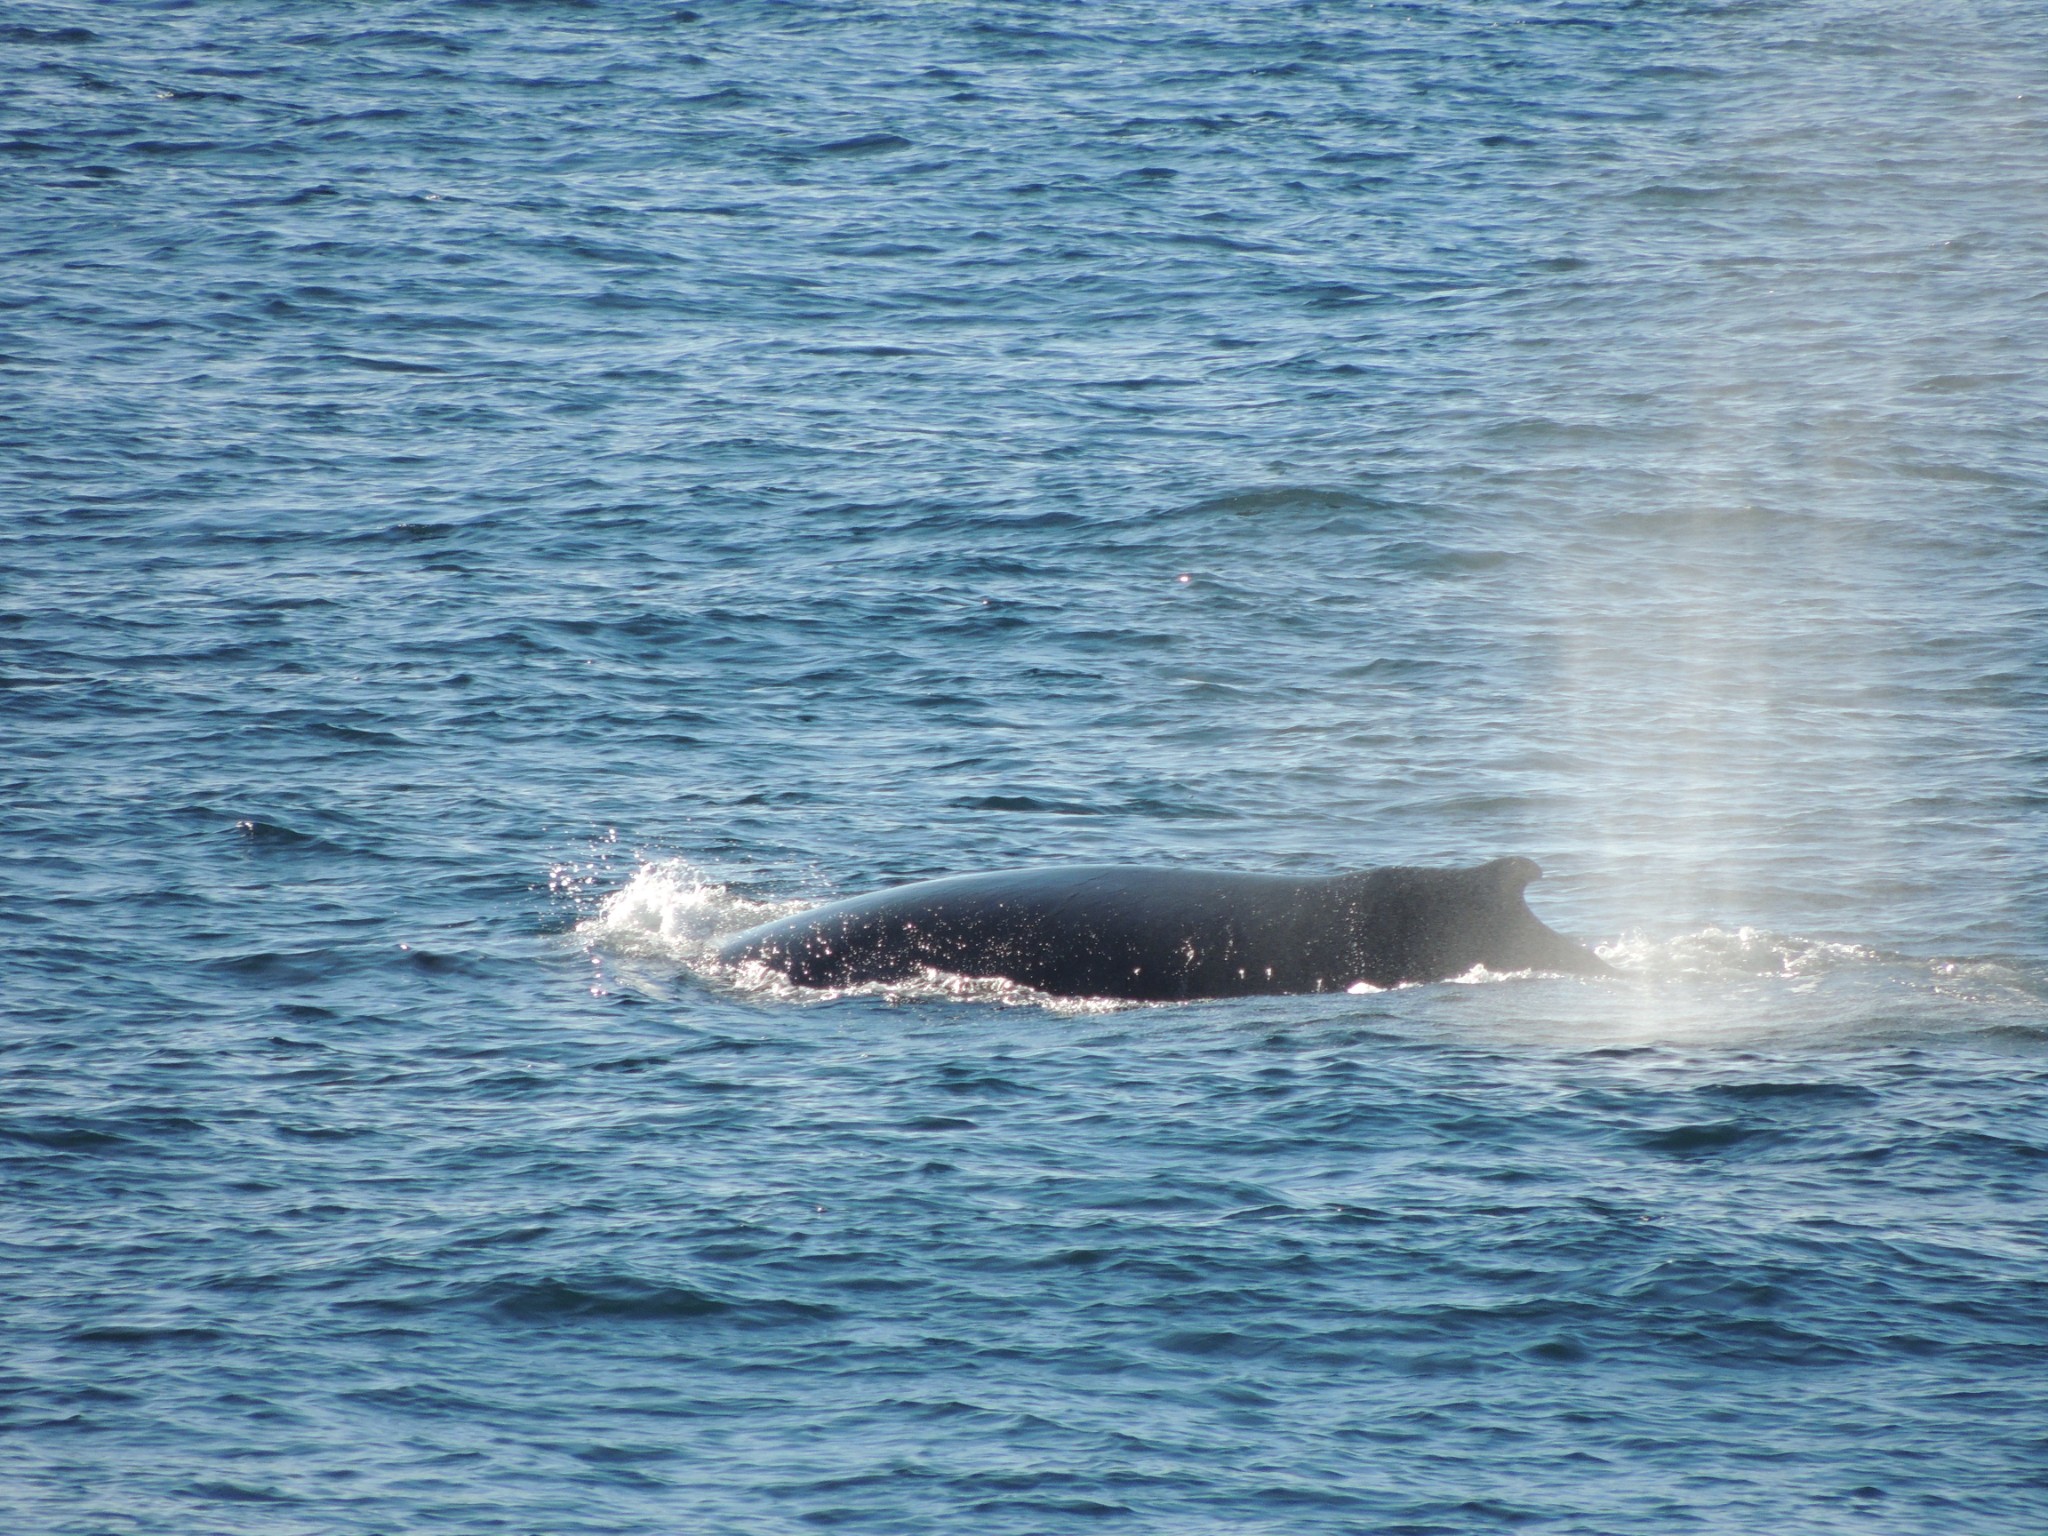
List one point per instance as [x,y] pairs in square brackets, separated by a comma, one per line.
[1151,934]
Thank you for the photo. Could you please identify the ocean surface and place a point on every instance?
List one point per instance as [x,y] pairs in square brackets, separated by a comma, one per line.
[495,496]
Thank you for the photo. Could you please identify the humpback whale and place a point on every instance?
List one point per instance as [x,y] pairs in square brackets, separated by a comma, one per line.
[1161,934]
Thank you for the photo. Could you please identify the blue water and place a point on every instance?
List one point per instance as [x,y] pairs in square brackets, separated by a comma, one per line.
[494,497]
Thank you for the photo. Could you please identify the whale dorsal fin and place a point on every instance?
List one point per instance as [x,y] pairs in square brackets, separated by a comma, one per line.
[1511,876]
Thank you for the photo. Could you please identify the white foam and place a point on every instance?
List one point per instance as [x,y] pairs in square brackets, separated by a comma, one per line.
[670,910]
[1712,954]
[927,985]
[1478,976]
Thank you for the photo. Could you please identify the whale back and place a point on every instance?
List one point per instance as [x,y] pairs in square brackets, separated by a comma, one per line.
[1167,934]
[1073,930]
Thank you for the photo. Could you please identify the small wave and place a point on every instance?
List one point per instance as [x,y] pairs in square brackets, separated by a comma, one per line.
[55,35]
[1789,1093]
[223,1491]
[1023,803]
[271,835]
[550,1300]
[863,144]
[1253,501]
[1704,1139]
[64,1133]
[387,364]
[145,1333]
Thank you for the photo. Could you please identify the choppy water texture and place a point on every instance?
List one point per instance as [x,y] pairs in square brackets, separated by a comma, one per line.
[496,496]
